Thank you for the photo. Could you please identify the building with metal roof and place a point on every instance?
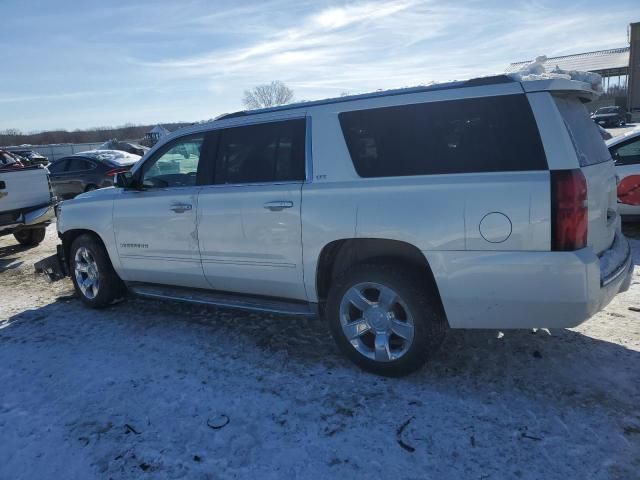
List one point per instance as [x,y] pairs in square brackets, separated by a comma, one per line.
[605,62]
[619,68]
[612,64]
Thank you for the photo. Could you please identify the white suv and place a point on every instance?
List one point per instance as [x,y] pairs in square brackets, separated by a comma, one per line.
[489,203]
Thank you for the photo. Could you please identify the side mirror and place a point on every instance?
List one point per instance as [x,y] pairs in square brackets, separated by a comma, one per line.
[124,180]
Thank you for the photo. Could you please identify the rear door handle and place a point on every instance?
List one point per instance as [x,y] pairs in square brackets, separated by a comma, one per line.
[181,207]
[278,205]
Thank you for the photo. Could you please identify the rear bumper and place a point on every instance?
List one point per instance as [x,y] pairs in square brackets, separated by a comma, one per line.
[29,217]
[529,289]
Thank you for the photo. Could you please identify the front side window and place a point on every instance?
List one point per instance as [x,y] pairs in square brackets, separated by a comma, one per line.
[262,153]
[627,154]
[459,136]
[175,166]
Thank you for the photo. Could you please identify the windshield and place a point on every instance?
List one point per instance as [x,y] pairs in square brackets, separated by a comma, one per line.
[607,110]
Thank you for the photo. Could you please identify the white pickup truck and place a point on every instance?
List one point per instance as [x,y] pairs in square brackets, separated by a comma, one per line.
[26,203]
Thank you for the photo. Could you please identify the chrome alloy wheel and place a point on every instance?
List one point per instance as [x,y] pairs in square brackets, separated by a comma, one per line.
[376,322]
[86,273]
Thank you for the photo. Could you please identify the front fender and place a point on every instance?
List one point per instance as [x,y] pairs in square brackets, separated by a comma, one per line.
[91,212]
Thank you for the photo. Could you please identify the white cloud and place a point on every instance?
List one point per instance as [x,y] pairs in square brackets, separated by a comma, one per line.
[192,59]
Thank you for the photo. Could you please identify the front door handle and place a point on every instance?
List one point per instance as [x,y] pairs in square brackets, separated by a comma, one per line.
[181,207]
[278,205]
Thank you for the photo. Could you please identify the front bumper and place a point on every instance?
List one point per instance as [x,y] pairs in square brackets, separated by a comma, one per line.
[505,290]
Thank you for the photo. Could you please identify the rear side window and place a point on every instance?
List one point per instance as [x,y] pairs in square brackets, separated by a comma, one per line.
[267,152]
[79,164]
[586,138]
[489,134]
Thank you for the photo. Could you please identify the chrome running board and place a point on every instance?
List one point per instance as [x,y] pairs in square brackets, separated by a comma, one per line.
[220,299]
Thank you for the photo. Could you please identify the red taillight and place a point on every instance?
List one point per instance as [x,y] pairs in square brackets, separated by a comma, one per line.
[111,173]
[569,212]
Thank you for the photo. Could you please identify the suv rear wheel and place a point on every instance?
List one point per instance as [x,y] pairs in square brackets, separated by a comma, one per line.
[30,236]
[384,319]
[94,279]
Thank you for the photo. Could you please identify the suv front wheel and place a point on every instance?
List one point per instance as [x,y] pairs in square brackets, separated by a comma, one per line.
[94,279]
[384,319]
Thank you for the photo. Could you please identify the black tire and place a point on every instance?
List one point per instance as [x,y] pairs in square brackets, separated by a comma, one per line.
[430,325]
[110,287]
[30,237]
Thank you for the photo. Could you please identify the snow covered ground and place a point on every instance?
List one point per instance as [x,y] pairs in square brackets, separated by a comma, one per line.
[156,390]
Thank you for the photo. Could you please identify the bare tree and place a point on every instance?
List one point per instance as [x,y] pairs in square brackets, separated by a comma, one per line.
[267,95]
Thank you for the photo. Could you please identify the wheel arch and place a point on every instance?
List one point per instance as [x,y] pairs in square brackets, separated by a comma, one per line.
[339,255]
[69,237]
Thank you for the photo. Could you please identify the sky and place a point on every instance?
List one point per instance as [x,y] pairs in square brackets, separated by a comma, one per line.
[81,64]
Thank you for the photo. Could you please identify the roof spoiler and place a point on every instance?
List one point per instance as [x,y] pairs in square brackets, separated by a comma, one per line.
[561,85]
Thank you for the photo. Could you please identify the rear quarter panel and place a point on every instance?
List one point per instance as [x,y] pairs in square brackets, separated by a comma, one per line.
[431,212]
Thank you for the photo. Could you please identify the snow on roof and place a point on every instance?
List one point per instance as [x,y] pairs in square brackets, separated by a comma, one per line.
[537,70]
[114,156]
[589,62]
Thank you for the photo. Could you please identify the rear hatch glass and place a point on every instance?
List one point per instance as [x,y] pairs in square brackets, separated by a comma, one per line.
[598,168]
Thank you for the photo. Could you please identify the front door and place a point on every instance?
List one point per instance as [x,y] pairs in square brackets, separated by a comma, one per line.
[249,219]
[155,225]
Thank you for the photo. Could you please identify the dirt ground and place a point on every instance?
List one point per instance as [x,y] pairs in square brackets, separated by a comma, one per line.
[162,390]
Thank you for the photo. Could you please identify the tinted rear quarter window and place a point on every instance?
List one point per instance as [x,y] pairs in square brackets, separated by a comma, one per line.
[587,141]
[490,134]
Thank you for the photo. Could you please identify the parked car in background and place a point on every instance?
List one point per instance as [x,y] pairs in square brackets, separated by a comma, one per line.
[625,151]
[9,160]
[489,203]
[129,147]
[610,116]
[26,203]
[32,158]
[86,171]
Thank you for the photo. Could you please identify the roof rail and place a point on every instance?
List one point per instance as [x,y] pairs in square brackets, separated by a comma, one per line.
[474,82]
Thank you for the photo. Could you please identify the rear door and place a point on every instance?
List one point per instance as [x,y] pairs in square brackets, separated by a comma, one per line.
[249,227]
[598,168]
